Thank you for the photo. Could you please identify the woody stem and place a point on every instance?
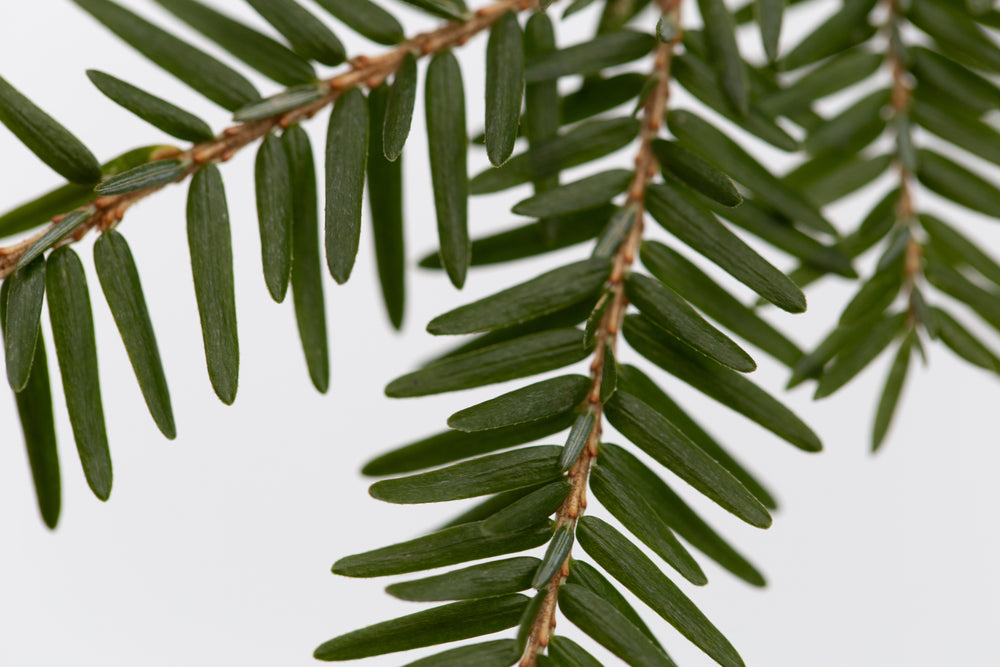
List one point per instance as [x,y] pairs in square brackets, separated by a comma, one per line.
[607,334]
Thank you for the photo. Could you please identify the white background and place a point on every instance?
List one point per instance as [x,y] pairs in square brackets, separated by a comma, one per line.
[215,549]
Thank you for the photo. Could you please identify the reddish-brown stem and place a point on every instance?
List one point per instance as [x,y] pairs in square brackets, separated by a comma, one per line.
[902,97]
[607,333]
[364,71]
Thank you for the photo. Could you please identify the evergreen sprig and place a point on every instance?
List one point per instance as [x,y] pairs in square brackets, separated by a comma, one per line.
[528,329]
[98,196]
[690,174]
[932,65]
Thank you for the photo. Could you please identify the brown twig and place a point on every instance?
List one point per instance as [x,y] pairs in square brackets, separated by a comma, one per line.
[364,71]
[902,98]
[607,333]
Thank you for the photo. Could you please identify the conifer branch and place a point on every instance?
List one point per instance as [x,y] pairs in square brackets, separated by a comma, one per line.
[901,100]
[367,71]
[653,113]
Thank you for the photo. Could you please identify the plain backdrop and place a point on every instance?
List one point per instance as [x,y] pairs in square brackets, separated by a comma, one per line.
[215,549]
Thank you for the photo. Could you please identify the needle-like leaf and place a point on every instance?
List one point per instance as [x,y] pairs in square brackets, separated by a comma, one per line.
[504,86]
[958,127]
[775,230]
[346,159]
[542,102]
[568,653]
[447,144]
[968,89]
[211,251]
[687,166]
[631,567]
[157,112]
[399,108]
[521,357]
[638,384]
[951,240]
[852,129]
[586,193]
[57,232]
[309,36]
[194,67]
[956,31]
[769,17]
[891,391]
[25,290]
[541,401]
[272,59]
[843,29]
[540,296]
[723,384]
[683,217]
[498,653]
[499,577]
[676,513]
[479,477]
[698,78]
[367,18]
[875,296]
[448,546]
[689,281]
[856,358]
[455,445]
[598,618]
[656,436]
[529,510]
[385,198]
[526,623]
[601,52]
[119,279]
[670,312]
[555,555]
[72,196]
[720,35]
[963,343]
[534,238]
[76,348]
[644,521]
[701,137]
[580,145]
[454,10]
[274,214]
[584,574]
[50,141]
[981,300]
[486,509]
[144,177]
[836,74]
[953,181]
[307,271]
[448,623]
[287,100]
[34,408]
[577,439]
